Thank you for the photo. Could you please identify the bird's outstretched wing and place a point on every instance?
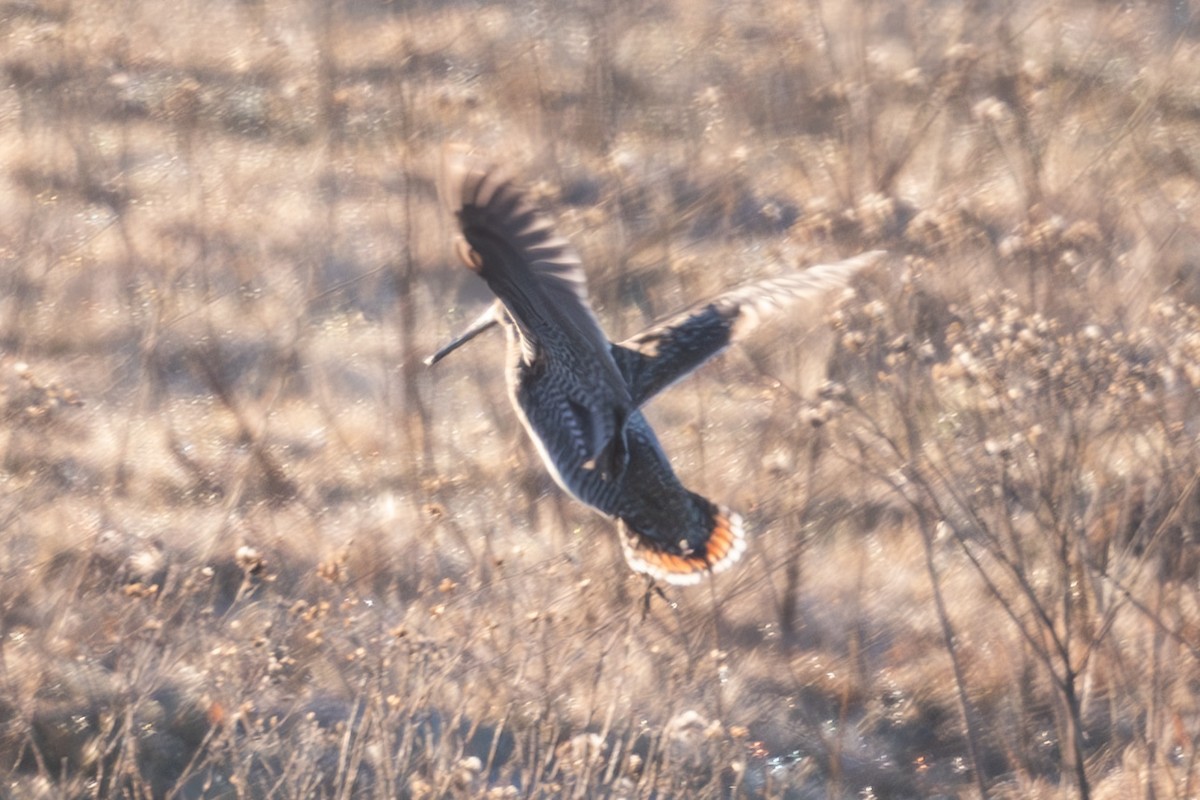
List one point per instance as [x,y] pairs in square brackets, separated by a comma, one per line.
[658,356]
[535,272]
[539,278]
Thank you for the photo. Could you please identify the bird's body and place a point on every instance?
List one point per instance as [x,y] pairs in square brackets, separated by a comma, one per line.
[578,394]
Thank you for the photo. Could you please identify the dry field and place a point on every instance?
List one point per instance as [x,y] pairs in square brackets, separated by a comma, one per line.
[250,547]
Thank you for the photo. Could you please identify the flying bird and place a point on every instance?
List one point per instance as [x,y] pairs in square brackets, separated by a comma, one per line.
[579,395]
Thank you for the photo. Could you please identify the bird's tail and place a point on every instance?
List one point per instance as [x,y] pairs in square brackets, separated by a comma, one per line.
[686,564]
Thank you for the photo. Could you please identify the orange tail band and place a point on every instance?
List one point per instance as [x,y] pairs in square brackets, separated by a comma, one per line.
[725,545]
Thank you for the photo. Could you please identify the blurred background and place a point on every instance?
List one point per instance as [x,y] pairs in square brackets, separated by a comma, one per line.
[250,546]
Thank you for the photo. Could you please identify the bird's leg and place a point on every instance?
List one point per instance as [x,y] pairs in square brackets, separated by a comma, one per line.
[614,455]
[652,588]
[617,456]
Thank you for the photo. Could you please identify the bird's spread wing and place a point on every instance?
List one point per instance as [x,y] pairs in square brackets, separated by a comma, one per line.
[539,278]
[511,245]
[657,357]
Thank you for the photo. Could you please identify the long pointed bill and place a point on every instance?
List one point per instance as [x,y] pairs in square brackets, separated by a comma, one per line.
[484,321]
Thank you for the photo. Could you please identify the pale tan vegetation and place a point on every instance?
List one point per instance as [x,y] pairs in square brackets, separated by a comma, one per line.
[251,547]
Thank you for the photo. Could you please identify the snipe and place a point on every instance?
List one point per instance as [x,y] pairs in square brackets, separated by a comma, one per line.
[578,394]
